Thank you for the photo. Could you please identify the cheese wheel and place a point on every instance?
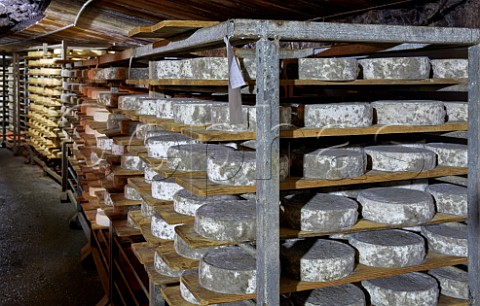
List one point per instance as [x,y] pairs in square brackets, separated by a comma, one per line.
[131,193]
[192,157]
[452,68]
[405,289]
[453,281]
[147,106]
[130,102]
[229,270]
[397,158]
[163,268]
[165,107]
[450,199]
[205,68]
[456,111]
[193,113]
[342,295]
[118,149]
[101,219]
[396,206]
[338,115]
[328,69]
[389,248]
[317,261]
[410,112]
[187,203]
[227,220]
[158,146]
[396,68]
[450,154]
[161,229]
[319,212]
[448,238]
[165,189]
[104,143]
[145,209]
[132,162]
[334,164]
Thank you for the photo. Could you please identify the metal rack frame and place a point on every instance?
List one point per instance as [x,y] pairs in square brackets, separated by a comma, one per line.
[266,35]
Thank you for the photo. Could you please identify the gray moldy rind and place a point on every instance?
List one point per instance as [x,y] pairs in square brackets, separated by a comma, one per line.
[227,221]
[182,249]
[137,73]
[193,113]
[145,209]
[334,164]
[147,106]
[130,102]
[328,69]
[395,158]
[162,267]
[448,238]
[132,162]
[389,248]
[187,203]
[454,68]
[450,154]
[397,206]
[165,106]
[405,289]
[317,260]
[453,281]
[192,157]
[131,193]
[396,68]
[457,111]
[156,132]
[164,189]
[161,229]
[158,146]
[449,198]
[338,115]
[409,112]
[229,270]
[237,168]
[342,295]
[319,212]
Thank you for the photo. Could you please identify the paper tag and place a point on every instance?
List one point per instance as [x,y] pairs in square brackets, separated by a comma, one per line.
[235,82]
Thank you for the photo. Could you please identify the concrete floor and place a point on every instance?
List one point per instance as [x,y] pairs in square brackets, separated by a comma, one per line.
[39,254]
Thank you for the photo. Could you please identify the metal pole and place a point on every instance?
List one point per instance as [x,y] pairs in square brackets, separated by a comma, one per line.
[474,173]
[4,101]
[268,182]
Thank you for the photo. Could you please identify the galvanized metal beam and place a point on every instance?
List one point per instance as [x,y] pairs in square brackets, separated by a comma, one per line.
[474,174]
[268,167]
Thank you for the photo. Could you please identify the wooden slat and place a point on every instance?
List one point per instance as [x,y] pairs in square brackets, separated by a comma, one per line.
[450,301]
[147,234]
[187,82]
[144,252]
[168,28]
[171,216]
[139,184]
[374,82]
[204,187]
[119,200]
[175,261]
[138,219]
[288,285]
[123,230]
[169,125]
[173,296]
[128,141]
[194,240]
[118,171]
[152,162]
[202,134]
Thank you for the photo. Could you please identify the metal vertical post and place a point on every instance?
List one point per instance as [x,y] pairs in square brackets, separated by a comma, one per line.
[4,101]
[16,102]
[474,173]
[268,181]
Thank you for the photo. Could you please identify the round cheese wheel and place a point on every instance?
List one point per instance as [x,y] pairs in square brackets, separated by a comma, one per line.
[319,212]
[405,289]
[163,268]
[448,238]
[452,68]
[317,260]
[338,115]
[396,68]
[334,164]
[400,158]
[328,69]
[449,198]
[389,248]
[342,295]
[396,206]
[450,154]
[187,203]
[410,112]
[456,111]
[158,146]
[165,189]
[132,162]
[131,193]
[453,281]
[161,229]
[192,157]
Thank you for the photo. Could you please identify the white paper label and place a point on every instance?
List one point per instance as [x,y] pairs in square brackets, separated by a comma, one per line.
[235,82]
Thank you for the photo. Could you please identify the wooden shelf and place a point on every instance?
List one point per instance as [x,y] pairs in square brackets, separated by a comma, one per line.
[203,187]
[374,82]
[123,230]
[171,216]
[128,141]
[148,119]
[202,134]
[168,28]
[157,278]
[119,200]
[147,234]
[144,252]
[152,162]
[195,241]
[170,125]
[287,285]
[173,296]
[126,172]
[173,260]
[138,219]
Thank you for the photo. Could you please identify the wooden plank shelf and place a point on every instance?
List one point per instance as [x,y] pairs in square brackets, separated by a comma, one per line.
[287,285]
[139,184]
[361,82]
[128,141]
[170,125]
[158,279]
[152,162]
[148,119]
[194,240]
[123,230]
[173,260]
[205,135]
[173,296]
[127,172]
[147,234]
[171,216]
[203,187]
[119,200]
[138,219]
[144,252]
[168,28]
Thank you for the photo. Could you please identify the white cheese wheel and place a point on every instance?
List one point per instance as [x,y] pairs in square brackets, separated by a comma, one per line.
[192,157]
[145,209]
[149,133]
[328,69]
[409,112]
[165,69]
[165,106]
[118,149]
[165,189]
[132,162]
[182,249]
[237,168]
[405,289]
[230,270]
[319,212]
[452,68]
[147,106]
[104,143]
[163,268]
[149,174]
[389,248]
[398,206]
[186,294]
[157,146]
[338,115]
[396,68]
[130,102]
[193,113]
[102,219]
[131,193]
[206,68]
[227,221]
[161,229]
[334,163]
[450,199]
[456,111]
[187,203]
[395,158]
[317,261]
[448,238]
[450,154]
[342,295]
[453,281]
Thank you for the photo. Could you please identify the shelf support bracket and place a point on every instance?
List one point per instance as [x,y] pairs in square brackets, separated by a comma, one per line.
[474,173]
[268,169]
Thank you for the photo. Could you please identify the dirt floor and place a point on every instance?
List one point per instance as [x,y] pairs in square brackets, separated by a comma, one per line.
[39,254]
